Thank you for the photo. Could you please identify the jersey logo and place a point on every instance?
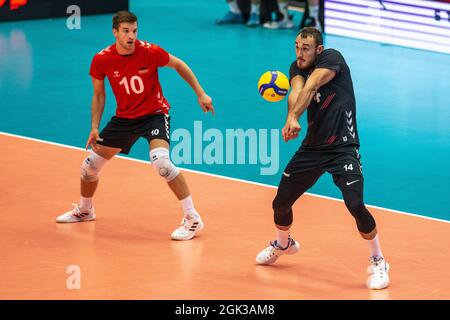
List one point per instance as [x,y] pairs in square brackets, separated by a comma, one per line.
[144,44]
[317,97]
[350,183]
[349,120]
[161,100]
[107,49]
[116,74]
[143,70]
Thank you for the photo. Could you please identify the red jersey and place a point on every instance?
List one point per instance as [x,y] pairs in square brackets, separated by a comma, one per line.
[133,78]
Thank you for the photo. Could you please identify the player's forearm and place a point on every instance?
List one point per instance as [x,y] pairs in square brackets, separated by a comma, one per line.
[186,73]
[98,105]
[292,98]
[304,99]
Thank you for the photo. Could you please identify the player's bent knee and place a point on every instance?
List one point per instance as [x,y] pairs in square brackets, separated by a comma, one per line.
[282,207]
[355,207]
[282,213]
[283,217]
[161,161]
[365,223]
[364,220]
[91,166]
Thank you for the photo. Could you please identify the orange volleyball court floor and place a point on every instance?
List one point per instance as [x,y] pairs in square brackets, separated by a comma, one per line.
[127,252]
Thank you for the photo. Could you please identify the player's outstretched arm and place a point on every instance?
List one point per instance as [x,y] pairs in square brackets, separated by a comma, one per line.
[297,84]
[318,78]
[98,105]
[186,73]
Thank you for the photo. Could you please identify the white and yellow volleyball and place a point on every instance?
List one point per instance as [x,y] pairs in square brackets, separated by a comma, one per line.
[273,86]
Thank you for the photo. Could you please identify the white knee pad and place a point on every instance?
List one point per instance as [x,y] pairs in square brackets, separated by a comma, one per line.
[161,161]
[91,167]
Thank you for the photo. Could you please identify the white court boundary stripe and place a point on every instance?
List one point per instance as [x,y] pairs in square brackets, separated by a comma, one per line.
[223,177]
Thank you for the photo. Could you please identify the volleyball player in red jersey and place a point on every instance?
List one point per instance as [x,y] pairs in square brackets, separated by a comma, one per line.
[131,67]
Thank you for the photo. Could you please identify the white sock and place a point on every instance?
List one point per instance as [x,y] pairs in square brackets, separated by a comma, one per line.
[283,237]
[374,247]
[234,7]
[188,207]
[314,12]
[85,203]
[283,7]
[255,9]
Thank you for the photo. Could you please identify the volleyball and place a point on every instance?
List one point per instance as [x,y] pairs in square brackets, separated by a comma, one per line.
[273,85]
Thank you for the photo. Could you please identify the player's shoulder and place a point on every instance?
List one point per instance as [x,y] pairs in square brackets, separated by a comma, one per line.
[104,53]
[144,44]
[148,46]
[331,53]
[294,70]
[293,65]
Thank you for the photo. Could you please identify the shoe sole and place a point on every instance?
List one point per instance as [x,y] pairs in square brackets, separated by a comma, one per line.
[84,220]
[297,249]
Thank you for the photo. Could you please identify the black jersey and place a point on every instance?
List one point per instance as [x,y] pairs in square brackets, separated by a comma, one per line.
[332,112]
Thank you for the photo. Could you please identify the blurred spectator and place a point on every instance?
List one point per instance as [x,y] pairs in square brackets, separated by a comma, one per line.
[235,15]
[285,22]
[311,15]
[255,12]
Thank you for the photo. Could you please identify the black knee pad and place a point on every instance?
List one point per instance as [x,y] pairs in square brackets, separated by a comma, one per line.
[288,192]
[364,220]
[282,212]
[283,217]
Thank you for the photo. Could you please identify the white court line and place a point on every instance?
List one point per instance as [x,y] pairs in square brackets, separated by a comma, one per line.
[224,177]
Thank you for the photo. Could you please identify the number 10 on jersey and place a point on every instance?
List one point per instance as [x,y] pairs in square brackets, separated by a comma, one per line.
[136,84]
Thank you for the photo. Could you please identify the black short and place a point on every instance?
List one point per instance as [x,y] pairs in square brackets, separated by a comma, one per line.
[123,133]
[307,166]
[344,160]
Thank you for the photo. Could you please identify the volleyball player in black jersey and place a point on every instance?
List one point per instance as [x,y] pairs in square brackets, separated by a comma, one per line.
[321,83]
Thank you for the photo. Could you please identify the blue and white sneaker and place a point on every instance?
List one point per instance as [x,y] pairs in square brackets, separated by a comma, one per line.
[231,18]
[253,21]
[270,254]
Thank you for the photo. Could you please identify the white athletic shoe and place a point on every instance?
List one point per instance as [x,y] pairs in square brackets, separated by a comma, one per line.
[270,254]
[75,215]
[379,270]
[284,24]
[188,229]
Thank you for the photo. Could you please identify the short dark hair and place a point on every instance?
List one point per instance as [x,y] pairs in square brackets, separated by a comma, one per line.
[311,32]
[123,16]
